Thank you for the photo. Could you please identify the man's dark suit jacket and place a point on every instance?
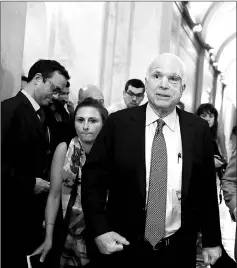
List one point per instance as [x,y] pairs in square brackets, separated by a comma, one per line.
[24,157]
[62,131]
[116,166]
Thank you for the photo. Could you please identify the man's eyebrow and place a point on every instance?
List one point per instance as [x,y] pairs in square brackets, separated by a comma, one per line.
[156,71]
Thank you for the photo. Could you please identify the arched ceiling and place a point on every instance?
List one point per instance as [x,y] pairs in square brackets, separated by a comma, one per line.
[218,20]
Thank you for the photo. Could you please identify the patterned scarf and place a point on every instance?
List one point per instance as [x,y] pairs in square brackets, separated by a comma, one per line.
[74,253]
[74,161]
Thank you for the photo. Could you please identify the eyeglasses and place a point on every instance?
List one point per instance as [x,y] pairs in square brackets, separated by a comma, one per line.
[131,94]
[56,90]
[173,79]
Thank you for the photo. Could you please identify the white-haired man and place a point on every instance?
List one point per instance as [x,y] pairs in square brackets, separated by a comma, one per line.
[149,181]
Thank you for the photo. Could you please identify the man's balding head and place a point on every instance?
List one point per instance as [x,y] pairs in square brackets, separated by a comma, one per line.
[165,83]
[90,91]
[173,60]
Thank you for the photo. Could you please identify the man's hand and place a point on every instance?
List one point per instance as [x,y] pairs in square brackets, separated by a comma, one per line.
[211,255]
[41,186]
[110,242]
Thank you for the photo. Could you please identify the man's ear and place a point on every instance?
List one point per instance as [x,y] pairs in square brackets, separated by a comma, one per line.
[182,89]
[145,84]
[38,78]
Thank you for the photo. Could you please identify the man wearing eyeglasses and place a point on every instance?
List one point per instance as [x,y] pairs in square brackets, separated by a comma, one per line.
[133,95]
[149,180]
[25,147]
[59,119]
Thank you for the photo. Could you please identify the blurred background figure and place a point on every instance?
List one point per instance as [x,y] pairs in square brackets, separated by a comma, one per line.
[23,81]
[133,95]
[65,107]
[209,113]
[59,119]
[229,188]
[90,91]
[233,138]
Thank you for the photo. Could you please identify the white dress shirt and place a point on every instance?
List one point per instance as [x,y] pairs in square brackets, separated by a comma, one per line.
[32,100]
[171,131]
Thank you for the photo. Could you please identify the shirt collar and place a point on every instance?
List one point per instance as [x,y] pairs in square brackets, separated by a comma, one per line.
[32,100]
[169,120]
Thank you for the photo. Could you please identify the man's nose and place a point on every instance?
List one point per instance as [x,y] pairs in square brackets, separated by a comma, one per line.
[164,82]
[134,97]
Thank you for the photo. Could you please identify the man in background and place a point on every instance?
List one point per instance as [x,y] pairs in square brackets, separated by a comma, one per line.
[25,165]
[133,95]
[90,91]
[59,119]
[64,108]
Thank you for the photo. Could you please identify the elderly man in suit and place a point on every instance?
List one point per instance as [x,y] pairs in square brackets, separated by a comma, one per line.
[149,181]
[25,147]
[229,188]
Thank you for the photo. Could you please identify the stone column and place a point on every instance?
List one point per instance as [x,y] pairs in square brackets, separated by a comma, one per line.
[134,33]
[13,17]
[166,27]
[116,49]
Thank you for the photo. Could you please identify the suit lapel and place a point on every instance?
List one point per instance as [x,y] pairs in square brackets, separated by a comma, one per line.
[32,113]
[186,129]
[138,121]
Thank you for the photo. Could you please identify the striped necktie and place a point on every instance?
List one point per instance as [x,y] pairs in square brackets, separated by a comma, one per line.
[156,205]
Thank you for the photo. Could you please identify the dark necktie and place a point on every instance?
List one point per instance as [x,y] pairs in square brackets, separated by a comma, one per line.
[156,205]
[41,114]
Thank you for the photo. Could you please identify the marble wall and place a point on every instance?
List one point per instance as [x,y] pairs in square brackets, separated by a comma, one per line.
[134,33]
[13,16]
[116,49]
[70,33]
[104,43]
[207,81]
[188,51]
